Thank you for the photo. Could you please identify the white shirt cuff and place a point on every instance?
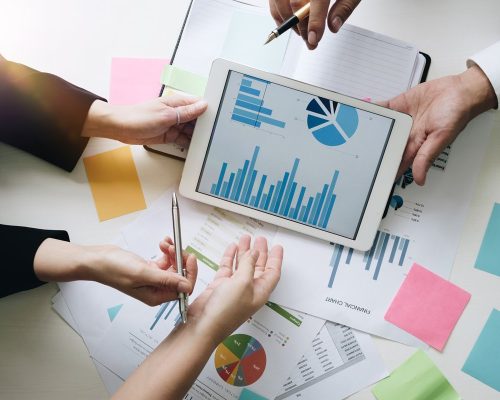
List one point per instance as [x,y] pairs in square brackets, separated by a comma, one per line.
[489,61]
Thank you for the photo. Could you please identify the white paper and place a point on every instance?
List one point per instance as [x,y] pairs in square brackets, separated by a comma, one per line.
[339,362]
[355,62]
[280,334]
[356,292]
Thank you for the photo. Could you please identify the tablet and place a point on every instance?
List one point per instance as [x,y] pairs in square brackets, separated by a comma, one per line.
[294,155]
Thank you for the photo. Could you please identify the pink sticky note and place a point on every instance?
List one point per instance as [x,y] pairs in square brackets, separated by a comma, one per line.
[427,306]
[134,80]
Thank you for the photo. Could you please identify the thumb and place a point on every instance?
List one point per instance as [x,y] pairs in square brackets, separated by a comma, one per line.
[191,111]
[166,280]
[340,11]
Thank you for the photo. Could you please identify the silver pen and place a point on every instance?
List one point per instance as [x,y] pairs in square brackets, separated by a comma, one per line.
[183,297]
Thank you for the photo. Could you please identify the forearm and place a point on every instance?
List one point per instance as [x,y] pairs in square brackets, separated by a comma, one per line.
[171,369]
[59,261]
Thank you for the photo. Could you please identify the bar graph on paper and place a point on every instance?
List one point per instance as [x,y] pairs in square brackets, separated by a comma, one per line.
[246,185]
[249,106]
[165,311]
[386,249]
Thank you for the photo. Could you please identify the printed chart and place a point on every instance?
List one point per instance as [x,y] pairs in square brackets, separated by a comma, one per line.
[387,248]
[240,360]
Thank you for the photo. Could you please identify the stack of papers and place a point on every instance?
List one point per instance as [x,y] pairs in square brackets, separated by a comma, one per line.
[120,331]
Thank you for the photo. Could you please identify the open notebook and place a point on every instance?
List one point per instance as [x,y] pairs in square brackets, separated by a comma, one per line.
[355,61]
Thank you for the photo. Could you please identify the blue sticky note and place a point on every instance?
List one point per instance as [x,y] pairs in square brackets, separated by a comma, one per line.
[247,394]
[483,362]
[488,258]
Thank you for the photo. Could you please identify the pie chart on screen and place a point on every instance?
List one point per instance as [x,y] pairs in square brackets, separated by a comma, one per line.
[331,123]
[240,360]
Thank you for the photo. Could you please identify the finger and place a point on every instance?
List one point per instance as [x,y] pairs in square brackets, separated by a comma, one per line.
[227,262]
[275,13]
[271,276]
[340,11]
[426,155]
[260,245]
[243,247]
[183,140]
[284,10]
[316,22]
[177,100]
[296,5]
[191,270]
[246,267]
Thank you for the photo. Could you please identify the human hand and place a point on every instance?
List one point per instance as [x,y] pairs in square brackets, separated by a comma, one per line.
[311,29]
[152,282]
[151,122]
[440,109]
[235,295]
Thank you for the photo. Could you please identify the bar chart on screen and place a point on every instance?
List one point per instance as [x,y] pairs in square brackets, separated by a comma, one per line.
[282,197]
[249,106]
[387,250]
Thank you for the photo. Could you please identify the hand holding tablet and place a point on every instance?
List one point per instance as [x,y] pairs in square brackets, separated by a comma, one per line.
[294,155]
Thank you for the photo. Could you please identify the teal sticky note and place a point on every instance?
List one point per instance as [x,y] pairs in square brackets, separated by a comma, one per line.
[488,258]
[483,362]
[247,394]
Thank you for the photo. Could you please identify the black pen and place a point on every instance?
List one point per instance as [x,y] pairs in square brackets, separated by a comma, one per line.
[297,16]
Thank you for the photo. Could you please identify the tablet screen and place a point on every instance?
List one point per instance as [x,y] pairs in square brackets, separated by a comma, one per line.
[293,154]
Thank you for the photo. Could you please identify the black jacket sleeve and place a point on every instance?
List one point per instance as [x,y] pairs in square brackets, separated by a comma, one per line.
[42,114]
[19,246]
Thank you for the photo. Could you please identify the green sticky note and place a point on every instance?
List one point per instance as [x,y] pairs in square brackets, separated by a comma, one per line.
[483,362]
[417,378]
[184,81]
[488,258]
[244,42]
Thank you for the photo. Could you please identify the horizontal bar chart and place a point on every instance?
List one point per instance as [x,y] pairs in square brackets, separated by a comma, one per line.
[249,106]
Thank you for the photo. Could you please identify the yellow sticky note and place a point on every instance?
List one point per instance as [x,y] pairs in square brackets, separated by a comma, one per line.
[114,183]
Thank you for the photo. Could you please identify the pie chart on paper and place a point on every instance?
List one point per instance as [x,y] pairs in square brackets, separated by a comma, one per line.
[331,123]
[240,360]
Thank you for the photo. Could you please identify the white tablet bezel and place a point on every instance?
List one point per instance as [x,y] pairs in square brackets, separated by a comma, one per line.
[382,185]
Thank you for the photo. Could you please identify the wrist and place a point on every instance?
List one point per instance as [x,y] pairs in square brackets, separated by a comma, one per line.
[478,91]
[60,261]
[99,121]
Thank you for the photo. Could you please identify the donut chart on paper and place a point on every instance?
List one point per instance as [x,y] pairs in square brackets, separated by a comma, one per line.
[240,360]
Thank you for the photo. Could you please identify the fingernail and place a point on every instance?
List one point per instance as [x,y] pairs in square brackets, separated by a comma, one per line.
[312,38]
[337,24]
[183,287]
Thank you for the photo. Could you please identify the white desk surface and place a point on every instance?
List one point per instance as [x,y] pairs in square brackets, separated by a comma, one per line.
[42,357]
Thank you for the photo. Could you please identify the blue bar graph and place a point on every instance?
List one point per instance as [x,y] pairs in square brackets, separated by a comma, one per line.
[249,109]
[166,308]
[245,184]
[381,253]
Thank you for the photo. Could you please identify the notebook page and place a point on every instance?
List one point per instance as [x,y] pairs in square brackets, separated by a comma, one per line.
[355,62]
[230,29]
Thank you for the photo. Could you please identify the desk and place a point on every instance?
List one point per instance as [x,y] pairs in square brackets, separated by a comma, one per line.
[41,357]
